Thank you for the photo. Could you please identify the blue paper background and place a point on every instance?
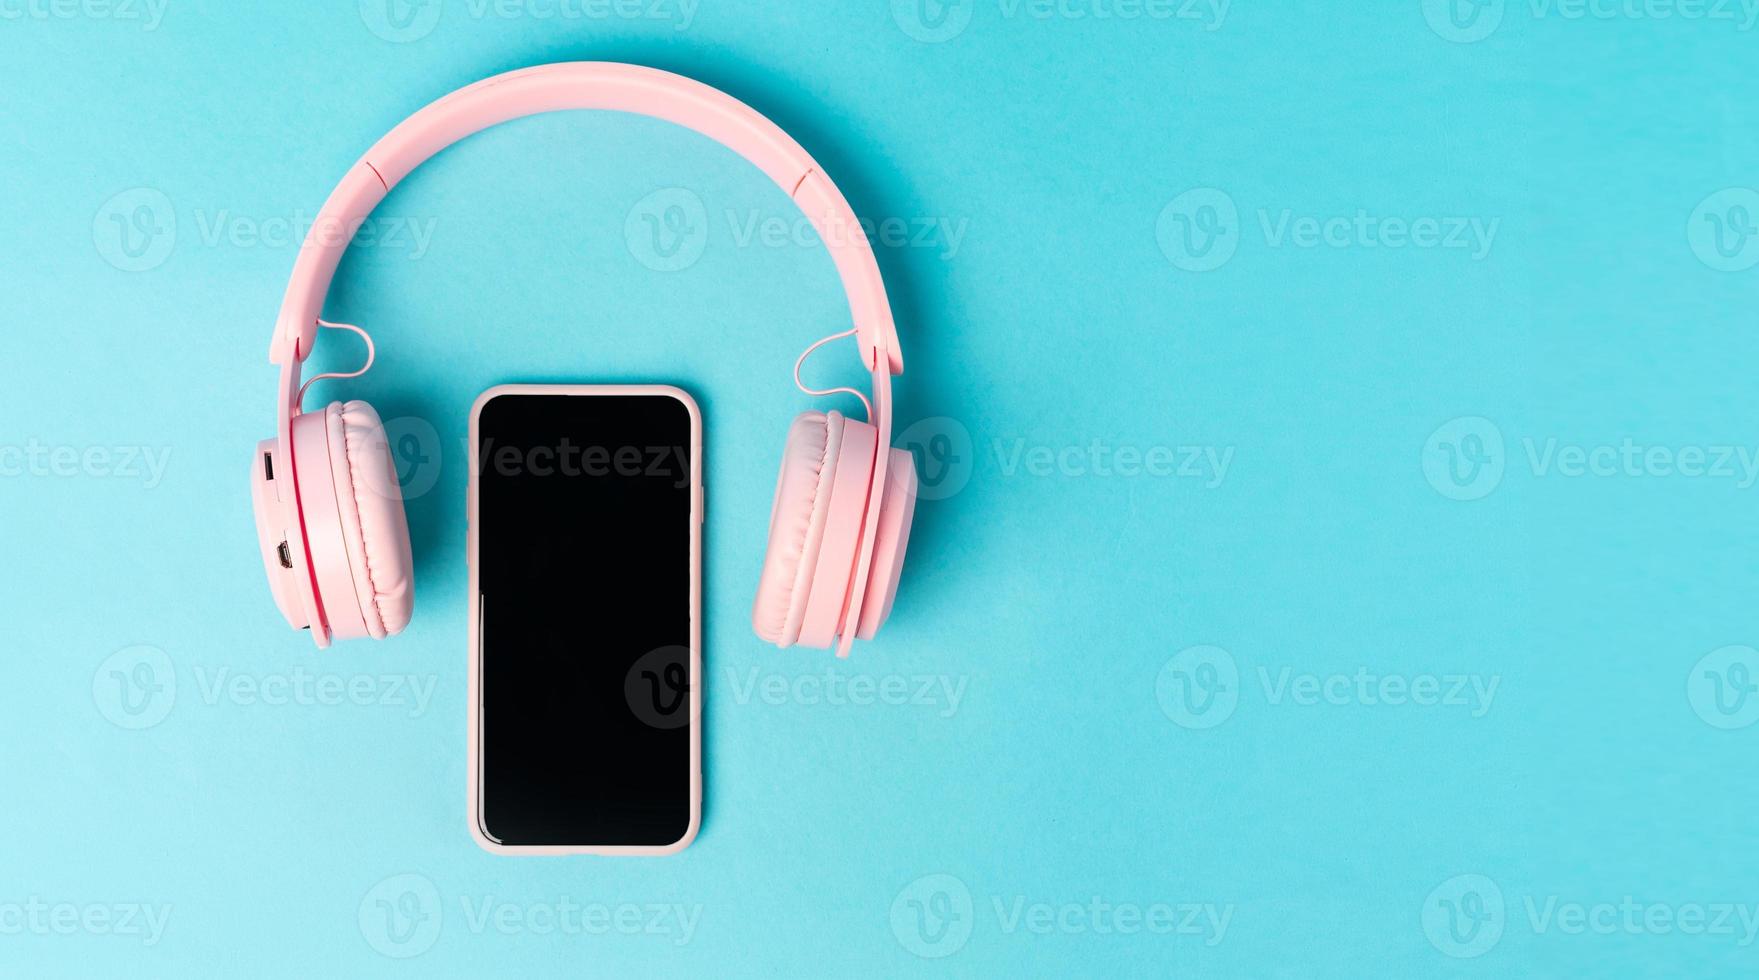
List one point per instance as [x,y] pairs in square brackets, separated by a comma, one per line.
[1115,657]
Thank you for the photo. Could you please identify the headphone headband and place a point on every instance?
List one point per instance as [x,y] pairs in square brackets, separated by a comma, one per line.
[586,85]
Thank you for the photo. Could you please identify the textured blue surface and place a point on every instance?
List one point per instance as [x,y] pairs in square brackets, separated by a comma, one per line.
[1339,418]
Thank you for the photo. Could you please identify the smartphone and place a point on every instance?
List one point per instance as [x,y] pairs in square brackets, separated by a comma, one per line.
[585,553]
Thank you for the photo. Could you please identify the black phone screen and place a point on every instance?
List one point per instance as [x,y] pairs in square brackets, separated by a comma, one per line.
[585,531]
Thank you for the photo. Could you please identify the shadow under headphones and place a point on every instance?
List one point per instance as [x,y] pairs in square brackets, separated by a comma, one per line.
[329,511]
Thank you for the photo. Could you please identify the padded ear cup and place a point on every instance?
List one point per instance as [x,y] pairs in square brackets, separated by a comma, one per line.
[815,532]
[897,512]
[375,532]
[798,517]
[833,569]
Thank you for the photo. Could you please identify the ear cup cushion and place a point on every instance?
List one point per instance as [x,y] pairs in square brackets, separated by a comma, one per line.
[897,512]
[374,528]
[833,568]
[797,522]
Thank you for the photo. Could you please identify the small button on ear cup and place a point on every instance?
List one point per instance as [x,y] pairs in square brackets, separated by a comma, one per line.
[267,485]
[373,527]
[797,523]
[897,512]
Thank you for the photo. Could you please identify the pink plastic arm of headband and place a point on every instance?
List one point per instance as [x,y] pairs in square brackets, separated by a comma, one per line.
[587,85]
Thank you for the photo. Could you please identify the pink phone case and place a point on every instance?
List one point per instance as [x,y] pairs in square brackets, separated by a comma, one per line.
[473,726]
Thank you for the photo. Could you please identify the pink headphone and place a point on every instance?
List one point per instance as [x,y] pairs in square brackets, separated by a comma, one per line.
[329,512]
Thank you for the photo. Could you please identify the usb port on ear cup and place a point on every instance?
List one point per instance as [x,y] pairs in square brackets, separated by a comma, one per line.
[268,466]
[285,555]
